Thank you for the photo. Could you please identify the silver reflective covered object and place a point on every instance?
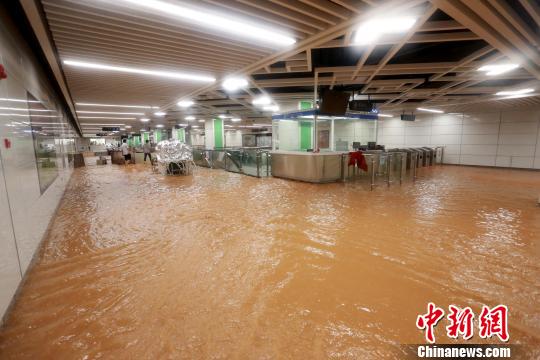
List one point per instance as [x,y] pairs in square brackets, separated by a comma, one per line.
[173,151]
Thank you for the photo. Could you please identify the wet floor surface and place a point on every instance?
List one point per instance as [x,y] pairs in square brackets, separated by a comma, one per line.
[220,265]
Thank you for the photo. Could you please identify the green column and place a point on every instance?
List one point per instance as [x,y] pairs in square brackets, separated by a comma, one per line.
[145,136]
[137,140]
[305,135]
[218,133]
[157,136]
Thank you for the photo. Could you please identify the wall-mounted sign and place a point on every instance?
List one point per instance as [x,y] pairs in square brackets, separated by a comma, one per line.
[110,129]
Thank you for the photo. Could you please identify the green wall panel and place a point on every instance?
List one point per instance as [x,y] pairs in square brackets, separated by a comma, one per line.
[218,133]
[305,135]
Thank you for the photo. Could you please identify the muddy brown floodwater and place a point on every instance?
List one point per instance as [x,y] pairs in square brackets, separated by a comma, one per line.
[220,265]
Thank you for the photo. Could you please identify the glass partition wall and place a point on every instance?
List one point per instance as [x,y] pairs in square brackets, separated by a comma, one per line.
[293,132]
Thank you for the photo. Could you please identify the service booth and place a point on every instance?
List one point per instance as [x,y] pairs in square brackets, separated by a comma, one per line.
[310,146]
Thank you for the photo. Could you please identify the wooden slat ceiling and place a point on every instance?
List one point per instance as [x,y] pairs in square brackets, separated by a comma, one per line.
[434,64]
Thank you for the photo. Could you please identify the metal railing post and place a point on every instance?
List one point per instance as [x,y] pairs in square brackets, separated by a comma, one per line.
[372,172]
[267,162]
[388,160]
[258,157]
[401,168]
[414,167]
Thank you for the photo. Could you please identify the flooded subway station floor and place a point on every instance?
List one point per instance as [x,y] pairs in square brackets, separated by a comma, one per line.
[221,265]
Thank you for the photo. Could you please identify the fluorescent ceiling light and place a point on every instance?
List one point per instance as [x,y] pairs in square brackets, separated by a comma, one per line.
[159,126]
[159,113]
[234,84]
[370,31]
[195,126]
[271,108]
[224,116]
[514,92]
[23,109]
[128,126]
[106,117]
[385,115]
[112,105]
[20,100]
[190,118]
[145,120]
[431,110]
[91,124]
[108,112]
[167,74]
[201,121]
[497,69]
[236,119]
[185,103]
[218,22]
[262,100]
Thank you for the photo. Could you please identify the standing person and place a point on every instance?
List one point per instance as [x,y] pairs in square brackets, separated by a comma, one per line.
[125,151]
[147,147]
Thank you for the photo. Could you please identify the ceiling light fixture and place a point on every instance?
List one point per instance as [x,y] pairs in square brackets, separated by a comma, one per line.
[159,126]
[512,92]
[430,110]
[167,74]
[160,113]
[185,103]
[145,120]
[497,69]
[219,22]
[234,84]
[106,117]
[271,108]
[236,119]
[20,100]
[190,118]
[385,115]
[224,116]
[112,105]
[262,100]
[370,31]
[108,112]
[128,126]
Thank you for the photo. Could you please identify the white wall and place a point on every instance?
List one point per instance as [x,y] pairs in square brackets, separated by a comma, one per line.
[506,139]
[288,135]
[233,138]
[362,131]
[24,211]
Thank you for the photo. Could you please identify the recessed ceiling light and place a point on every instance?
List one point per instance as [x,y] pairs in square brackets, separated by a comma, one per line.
[234,84]
[431,110]
[371,30]
[167,74]
[145,120]
[92,124]
[190,118]
[224,116]
[108,112]
[219,22]
[195,126]
[497,69]
[515,92]
[271,108]
[128,126]
[160,113]
[185,103]
[236,119]
[159,126]
[111,105]
[262,100]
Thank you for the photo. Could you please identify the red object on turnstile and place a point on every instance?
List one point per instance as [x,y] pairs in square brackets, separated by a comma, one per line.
[356,157]
[7,143]
[3,74]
